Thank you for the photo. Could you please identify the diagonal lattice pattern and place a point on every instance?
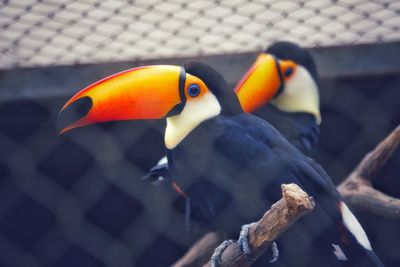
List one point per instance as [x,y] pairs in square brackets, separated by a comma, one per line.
[43,32]
[78,200]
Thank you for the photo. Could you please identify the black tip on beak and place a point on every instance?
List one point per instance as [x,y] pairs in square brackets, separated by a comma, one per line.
[73,112]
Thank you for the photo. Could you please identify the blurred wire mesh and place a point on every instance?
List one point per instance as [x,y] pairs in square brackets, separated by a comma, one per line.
[58,32]
[78,200]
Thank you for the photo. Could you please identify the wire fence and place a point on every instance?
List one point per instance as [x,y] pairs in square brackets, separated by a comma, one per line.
[41,32]
[78,199]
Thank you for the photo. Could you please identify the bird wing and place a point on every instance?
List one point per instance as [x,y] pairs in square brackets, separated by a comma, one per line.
[256,145]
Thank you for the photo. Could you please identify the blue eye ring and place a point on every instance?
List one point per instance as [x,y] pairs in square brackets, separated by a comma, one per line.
[288,72]
[193,90]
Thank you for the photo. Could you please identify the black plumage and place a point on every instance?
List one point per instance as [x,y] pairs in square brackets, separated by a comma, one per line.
[299,128]
[228,100]
[290,51]
[232,168]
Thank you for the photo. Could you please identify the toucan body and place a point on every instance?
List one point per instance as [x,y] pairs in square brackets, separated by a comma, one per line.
[231,164]
[294,110]
[299,126]
[232,168]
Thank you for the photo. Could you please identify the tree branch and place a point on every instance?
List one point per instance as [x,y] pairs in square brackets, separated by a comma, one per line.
[357,189]
[201,251]
[295,203]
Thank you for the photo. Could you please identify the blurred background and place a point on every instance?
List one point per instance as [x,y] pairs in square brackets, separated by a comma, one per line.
[78,199]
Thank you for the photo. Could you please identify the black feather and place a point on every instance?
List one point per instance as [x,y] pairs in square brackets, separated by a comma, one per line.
[217,84]
[290,51]
[232,168]
[299,128]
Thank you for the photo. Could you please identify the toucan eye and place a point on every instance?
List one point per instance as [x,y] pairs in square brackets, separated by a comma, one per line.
[288,72]
[193,90]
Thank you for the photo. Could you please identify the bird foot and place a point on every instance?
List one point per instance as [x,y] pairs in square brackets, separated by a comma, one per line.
[216,256]
[244,240]
[244,247]
[275,252]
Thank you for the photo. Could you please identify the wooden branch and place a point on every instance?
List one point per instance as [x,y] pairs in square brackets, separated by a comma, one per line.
[373,162]
[294,204]
[357,189]
[201,251]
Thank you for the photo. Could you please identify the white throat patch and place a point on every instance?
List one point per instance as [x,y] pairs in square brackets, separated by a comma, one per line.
[196,111]
[300,94]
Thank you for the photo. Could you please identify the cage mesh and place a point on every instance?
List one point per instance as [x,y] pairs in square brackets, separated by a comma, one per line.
[78,199]
[57,32]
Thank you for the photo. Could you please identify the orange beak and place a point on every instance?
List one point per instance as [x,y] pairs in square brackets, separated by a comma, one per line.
[262,82]
[150,92]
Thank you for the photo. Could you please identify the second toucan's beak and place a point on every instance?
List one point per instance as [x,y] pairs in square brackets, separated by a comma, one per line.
[150,92]
[260,84]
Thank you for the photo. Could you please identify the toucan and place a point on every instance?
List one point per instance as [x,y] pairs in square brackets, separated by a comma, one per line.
[232,164]
[291,73]
[295,109]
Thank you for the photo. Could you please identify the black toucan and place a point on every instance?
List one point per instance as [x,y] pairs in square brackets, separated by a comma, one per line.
[288,72]
[233,165]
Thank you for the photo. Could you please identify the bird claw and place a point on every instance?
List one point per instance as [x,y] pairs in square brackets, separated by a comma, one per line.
[275,252]
[216,256]
[244,240]
[243,245]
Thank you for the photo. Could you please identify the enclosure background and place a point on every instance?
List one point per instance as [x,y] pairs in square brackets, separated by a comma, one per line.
[78,200]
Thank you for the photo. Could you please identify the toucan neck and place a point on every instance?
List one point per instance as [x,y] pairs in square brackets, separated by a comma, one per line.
[193,114]
[229,102]
[300,95]
[299,128]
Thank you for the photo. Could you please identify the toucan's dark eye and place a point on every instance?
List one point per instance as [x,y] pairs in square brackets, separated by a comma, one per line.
[193,90]
[288,72]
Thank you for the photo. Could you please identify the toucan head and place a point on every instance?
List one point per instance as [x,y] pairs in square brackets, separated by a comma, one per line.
[184,94]
[285,75]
